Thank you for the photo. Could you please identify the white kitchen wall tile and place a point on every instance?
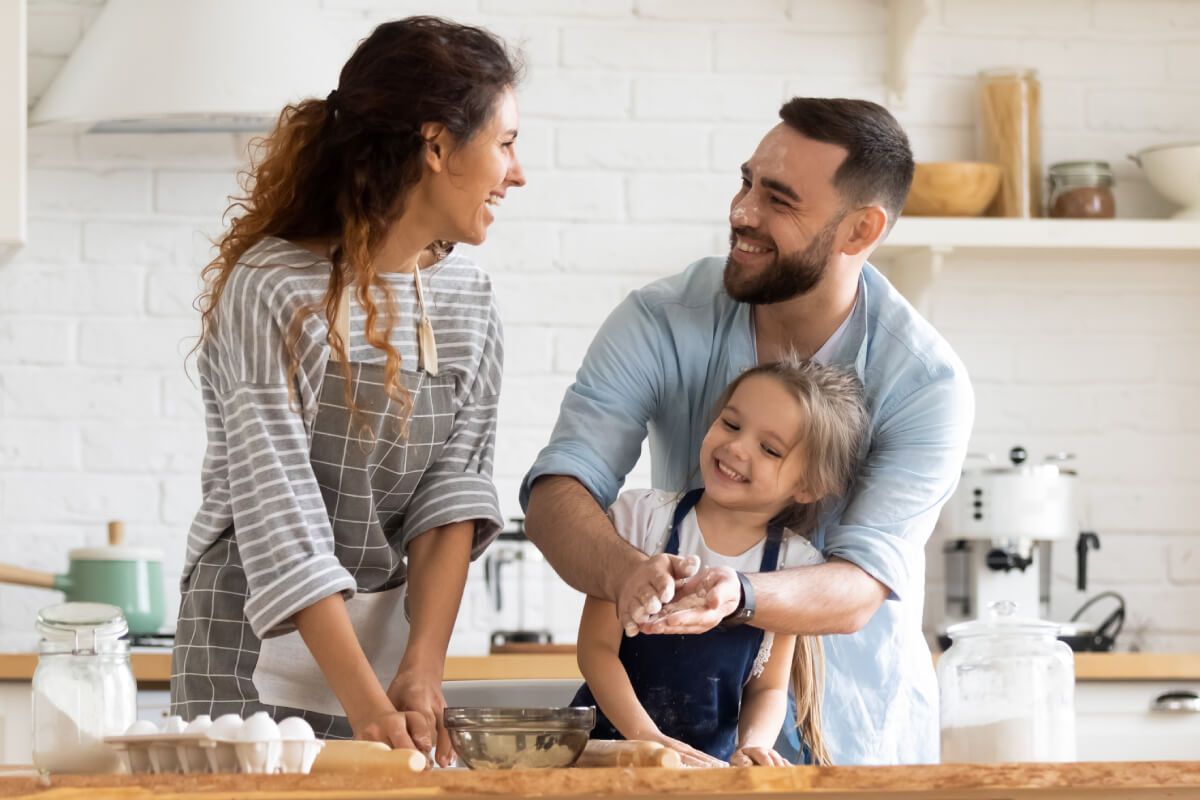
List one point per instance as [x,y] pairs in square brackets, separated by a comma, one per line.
[644,147]
[692,11]
[34,445]
[1146,16]
[197,193]
[100,192]
[34,289]
[76,394]
[602,9]
[156,448]
[1025,16]
[580,196]
[574,96]
[77,497]
[652,48]
[151,344]
[680,198]
[707,98]
[797,52]
[36,341]
[652,251]
[848,16]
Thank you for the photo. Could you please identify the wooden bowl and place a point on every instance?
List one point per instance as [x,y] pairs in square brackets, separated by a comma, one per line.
[952,189]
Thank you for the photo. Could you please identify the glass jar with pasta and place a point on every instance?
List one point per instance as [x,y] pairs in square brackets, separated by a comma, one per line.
[1010,136]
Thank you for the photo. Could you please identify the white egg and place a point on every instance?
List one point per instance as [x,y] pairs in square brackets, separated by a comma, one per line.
[259,728]
[174,725]
[295,729]
[200,724]
[143,727]
[225,728]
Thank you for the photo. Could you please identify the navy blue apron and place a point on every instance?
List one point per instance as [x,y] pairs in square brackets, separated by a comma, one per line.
[691,685]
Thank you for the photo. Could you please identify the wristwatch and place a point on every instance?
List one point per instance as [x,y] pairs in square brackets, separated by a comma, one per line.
[745,607]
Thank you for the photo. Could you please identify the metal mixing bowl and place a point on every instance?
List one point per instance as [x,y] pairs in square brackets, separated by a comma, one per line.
[519,738]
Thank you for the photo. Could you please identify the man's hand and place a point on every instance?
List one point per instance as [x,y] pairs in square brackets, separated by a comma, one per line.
[650,587]
[700,603]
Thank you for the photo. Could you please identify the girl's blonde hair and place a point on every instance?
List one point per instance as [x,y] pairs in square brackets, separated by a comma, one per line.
[835,425]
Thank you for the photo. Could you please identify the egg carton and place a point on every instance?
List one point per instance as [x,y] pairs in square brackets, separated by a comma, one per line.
[228,744]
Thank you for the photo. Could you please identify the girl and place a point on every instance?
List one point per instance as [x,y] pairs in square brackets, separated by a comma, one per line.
[785,438]
[350,399]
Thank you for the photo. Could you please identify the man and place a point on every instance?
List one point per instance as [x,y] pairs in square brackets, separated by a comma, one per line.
[817,197]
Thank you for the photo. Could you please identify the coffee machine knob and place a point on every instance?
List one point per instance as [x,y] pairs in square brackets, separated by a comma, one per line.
[1018,455]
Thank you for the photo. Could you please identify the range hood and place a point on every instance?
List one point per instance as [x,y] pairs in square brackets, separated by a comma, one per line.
[160,66]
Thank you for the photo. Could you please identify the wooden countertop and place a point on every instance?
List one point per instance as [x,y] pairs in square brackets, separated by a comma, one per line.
[1127,781]
[153,668]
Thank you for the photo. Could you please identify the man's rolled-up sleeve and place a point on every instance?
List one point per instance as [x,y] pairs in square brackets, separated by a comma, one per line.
[912,468]
[604,415]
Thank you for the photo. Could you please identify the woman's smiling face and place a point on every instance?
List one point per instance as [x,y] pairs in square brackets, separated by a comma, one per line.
[478,174]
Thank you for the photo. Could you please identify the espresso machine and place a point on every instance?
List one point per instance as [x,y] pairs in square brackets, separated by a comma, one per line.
[998,531]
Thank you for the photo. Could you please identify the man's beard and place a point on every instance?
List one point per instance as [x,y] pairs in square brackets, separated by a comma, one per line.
[787,276]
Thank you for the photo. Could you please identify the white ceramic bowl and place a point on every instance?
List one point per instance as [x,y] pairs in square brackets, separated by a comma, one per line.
[1174,171]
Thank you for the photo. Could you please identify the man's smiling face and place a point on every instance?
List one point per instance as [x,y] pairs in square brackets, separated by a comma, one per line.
[784,219]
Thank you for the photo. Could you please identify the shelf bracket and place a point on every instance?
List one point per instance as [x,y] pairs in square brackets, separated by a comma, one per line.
[913,274]
[904,20]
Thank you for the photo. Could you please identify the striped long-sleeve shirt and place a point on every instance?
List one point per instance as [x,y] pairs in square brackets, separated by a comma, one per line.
[317,510]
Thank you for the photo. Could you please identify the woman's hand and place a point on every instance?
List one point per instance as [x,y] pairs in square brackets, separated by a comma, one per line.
[757,756]
[690,756]
[419,692]
[393,728]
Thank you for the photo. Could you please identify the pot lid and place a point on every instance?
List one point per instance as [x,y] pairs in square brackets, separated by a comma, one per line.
[1001,620]
[115,553]
[68,621]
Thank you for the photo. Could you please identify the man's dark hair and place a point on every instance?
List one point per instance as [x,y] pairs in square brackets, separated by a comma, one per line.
[879,163]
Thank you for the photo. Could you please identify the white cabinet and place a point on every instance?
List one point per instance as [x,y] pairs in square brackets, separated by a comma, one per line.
[1118,721]
[12,125]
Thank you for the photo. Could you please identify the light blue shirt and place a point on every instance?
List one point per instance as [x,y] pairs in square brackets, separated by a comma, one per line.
[657,367]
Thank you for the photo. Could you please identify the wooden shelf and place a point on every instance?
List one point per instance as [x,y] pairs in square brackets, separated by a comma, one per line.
[917,249]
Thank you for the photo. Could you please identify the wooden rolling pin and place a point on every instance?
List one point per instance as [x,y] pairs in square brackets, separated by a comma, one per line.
[624,753]
[366,758]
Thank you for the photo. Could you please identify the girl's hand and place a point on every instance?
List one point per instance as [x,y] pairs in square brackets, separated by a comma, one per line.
[690,756]
[419,692]
[393,728]
[757,756]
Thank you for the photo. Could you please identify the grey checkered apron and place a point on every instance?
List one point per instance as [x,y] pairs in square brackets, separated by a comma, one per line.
[366,482]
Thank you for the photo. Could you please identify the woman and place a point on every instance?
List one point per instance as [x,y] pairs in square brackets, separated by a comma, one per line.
[350,387]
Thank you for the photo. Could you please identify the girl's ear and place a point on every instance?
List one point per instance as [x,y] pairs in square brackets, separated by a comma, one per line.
[802,495]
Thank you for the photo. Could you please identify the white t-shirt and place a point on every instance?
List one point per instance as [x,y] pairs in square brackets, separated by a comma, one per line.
[643,518]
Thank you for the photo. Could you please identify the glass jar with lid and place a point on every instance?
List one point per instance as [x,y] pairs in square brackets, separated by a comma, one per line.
[1081,190]
[83,688]
[1010,136]
[1007,690]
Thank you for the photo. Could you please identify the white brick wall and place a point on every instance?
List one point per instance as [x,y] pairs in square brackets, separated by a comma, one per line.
[636,115]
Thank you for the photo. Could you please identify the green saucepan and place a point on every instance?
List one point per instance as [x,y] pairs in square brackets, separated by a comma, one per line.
[127,577]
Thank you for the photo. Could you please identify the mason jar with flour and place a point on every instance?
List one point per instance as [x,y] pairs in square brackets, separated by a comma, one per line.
[1007,689]
[83,688]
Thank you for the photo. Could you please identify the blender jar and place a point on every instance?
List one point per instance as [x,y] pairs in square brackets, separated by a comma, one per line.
[1007,690]
[83,688]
